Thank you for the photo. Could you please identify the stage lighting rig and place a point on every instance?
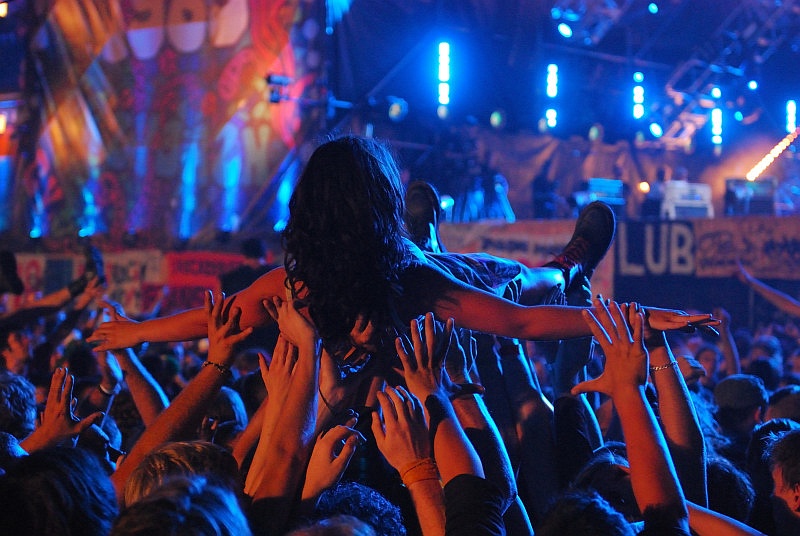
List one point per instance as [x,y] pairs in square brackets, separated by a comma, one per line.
[587,21]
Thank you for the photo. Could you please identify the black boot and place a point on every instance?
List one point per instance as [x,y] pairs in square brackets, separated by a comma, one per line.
[594,232]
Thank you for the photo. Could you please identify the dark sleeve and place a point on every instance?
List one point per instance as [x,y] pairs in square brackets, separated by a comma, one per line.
[473,507]
[573,444]
[665,522]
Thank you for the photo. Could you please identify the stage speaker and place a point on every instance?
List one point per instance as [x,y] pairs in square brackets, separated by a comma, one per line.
[743,197]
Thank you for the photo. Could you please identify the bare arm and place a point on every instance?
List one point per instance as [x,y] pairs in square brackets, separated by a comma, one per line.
[192,323]
[655,484]
[727,345]
[187,409]
[705,522]
[478,310]
[782,301]
[678,419]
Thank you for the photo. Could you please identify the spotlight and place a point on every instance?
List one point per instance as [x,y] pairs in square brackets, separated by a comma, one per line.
[565,30]
[652,8]
[498,119]
[644,187]
[656,130]
[398,109]
[752,85]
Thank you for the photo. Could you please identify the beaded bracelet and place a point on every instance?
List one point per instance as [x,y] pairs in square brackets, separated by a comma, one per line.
[223,369]
[671,364]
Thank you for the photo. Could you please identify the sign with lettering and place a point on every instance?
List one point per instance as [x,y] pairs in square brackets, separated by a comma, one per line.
[767,246]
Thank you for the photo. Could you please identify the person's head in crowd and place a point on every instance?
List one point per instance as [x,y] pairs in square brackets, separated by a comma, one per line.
[741,402]
[581,513]
[17,405]
[784,462]
[15,350]
[760,472]
[104,442]
[252,390]
[9,277]
[225,418]
[730,490]
[182,458]
[254,249]
[247,361]
[764,346]
[162,363]
[607,474]
[57,491]
[793,363]
[188,505]
[704,409]
[743,340]
[785,403]
[341,525]
[768,370]
[10,451]
[710,357]
[364,503]
[83,365]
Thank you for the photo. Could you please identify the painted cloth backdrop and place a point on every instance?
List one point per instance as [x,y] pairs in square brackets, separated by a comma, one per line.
[154,120]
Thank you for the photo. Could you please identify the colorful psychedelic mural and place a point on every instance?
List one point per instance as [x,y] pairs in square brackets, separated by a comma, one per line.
[155,124]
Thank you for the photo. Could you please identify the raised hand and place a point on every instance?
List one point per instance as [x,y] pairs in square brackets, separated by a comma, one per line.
[223,329]
[292,324]
[400,430]
[424,370]
[620,331]
[58,420]
[332,453]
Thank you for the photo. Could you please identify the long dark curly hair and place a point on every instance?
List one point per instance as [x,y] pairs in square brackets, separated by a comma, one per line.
[343,243]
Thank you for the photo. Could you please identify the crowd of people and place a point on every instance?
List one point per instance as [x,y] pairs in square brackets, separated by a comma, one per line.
[402,394]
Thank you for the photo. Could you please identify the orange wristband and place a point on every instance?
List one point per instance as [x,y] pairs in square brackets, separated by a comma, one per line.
[424,469]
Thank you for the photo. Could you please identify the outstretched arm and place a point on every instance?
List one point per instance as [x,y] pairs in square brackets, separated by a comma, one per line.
[192,323]
[478,310]
[782,301]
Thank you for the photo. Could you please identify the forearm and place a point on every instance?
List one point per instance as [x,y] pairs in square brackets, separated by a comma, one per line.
[249,437]
[652,474]
[147,394]
[705,522]
[289,450]
[452,450]
[428,499]
[177,421]
[730,353]
[680,424]
[473,416]
[782,301]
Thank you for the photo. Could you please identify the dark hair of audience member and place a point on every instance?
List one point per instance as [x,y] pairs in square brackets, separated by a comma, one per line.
[758,468]
[57,491]
[17,405]
[228,415]
[364,503]
[189,505]
[10,451]
[784,455]
[785,403]
[182,458]
[769,372]
[342,525]
[730,491]
[583,513]
[606,475]
[251,388]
